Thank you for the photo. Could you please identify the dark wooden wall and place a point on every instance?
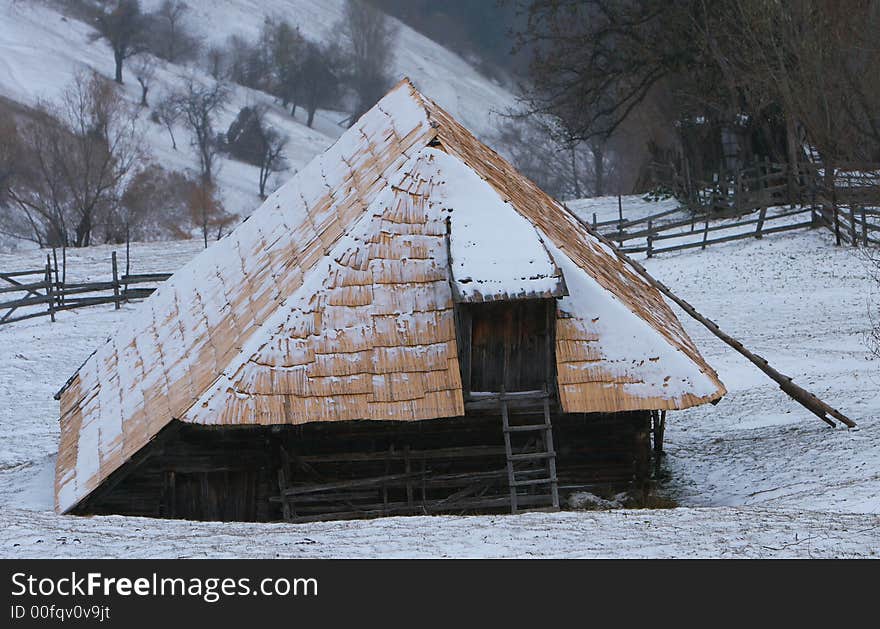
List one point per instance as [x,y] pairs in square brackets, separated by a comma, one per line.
[507,345]
[231,473]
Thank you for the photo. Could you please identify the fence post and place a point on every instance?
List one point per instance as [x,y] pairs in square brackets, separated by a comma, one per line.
[687,181]
[864,227]
[650,239]
[49,296]
[57,281]
[737,192]
[705,232]
[760,227]
[836,224]
[814,216]
[115,281]
[852,225]
[595,223]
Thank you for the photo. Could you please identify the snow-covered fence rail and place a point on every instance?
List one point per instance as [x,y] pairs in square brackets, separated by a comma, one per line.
[45,294]
[703,231]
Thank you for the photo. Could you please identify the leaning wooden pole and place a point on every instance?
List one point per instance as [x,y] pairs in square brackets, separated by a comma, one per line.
[809,401]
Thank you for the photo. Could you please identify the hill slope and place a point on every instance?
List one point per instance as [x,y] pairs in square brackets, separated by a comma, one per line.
[42,50]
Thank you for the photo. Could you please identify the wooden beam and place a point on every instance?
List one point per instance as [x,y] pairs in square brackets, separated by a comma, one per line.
[800,395]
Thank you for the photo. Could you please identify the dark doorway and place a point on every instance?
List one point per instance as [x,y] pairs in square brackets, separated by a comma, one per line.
[507,345]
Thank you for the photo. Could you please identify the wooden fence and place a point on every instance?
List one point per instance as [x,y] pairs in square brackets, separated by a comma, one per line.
[45,293]
[655,237]
[739,206]
[762,184]
[851,224]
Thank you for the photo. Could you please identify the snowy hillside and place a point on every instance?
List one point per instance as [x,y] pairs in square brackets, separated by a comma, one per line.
[437,72]
[41,51]
[756,476]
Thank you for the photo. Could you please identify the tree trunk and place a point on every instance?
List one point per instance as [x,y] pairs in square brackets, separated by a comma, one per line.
[793,155]
[173,140]
[84,232]
[572,153]
[311,118]
[117,56]
[264,176]
[598,151]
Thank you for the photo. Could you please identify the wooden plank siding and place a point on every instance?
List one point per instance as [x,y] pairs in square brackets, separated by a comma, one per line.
[359,469]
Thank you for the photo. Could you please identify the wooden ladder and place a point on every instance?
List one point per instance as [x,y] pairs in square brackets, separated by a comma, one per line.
[547,455]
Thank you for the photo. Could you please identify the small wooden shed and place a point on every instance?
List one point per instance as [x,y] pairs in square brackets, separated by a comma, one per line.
[408,326]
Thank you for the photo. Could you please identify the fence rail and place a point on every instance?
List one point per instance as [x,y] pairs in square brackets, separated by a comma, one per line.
[757,225]
[845,201]
[50,294]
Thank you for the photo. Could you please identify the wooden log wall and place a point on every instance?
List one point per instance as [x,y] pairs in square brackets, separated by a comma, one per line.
[363,468]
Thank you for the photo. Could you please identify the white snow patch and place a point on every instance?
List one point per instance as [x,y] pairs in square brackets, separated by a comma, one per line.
[627,341]
[496,252]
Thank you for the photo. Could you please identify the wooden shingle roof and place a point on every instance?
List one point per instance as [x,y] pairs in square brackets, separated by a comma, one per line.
[334,301]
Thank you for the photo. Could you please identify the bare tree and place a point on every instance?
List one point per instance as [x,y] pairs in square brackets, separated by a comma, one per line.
[144,69]
[271,152]
[199,104]
[10,152]
[772,75]
[123,28]
[168,113]
[564,168]
[286,52]
[252,139]
[216,62]
[318,79]
[815,60]
[155,205]
[206,210]
[249,63]
[76,160]
[10,160]
[170,36]
[368,38]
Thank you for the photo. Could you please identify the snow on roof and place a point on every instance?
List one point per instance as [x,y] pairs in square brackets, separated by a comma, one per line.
[334,301]
[496,253]
[644,364]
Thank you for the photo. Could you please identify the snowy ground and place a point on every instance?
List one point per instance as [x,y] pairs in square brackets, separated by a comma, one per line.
[757,475]
[671,533]
[631,206]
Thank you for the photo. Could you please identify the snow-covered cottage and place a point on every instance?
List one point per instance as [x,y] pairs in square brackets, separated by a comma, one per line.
[407,326]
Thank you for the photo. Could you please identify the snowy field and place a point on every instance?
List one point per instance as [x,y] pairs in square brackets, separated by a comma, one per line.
[756,476]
